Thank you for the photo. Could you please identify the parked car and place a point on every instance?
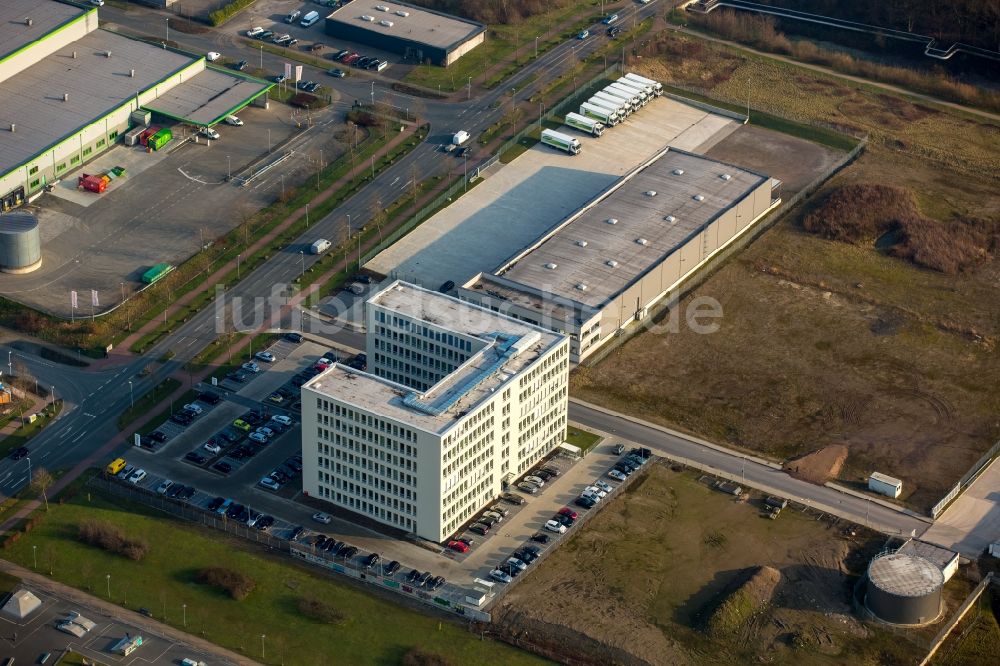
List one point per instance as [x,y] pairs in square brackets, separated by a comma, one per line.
[584,502]
[282,419]
[537,480]
[265,356]
[253,32]
[617,475]
[516,563]
[269,483]
[555,526]
[216,503]
[563,519]
[527,487]
[372,560]
[182,418]
[212,446]
[412,576]
[322,518]
[494,515]
[540,537]
[175,490]
[264,522]
[19,452]
[242,425]
[594,490]
[583,34]
[480,529]
[296,533]
[511,498]
[458,546]
[195,457]
[235,121]
[210,398]
[258,437]
[187,493]
[499,508]
[240,66]
[223,466]
[164,487]
[501,576]
[209,133]
[390,569]
[606,487]
[250,366]
[566,511]
[212,56]
[435,582]
[554,471]
[266,35]
[294,337]
[193,408]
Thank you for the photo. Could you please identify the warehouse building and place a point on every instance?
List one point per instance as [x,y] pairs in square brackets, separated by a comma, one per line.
[416,33]
[609,263]
[458,401]
[68,91]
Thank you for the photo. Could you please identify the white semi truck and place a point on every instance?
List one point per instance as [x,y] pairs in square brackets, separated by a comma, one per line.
[606,116]
[561,141]
[623,106]
[655,85]
[584,124]
[642,91]
[608,106]
[618,89]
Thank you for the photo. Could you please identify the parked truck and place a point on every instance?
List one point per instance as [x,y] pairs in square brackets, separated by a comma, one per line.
[606,116]
[623,107]
[320,246]
[655,85]
[584,124]
[629,83]
[156,272]
[618,98]
[638,100]
[561,141]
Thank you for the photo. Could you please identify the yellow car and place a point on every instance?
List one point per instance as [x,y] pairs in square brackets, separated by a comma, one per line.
[242,425]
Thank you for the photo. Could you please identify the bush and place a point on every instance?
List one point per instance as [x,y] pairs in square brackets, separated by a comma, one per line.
[112,539]
[417,656]
[220,16]
[320,611]
[861,212]
[307,101]
[234,583]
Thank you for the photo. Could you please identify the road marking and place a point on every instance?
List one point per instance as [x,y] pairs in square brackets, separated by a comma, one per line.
[93,416]
[82,433]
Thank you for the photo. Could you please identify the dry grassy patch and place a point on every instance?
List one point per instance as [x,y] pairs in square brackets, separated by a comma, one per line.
[236,584]
[112,539]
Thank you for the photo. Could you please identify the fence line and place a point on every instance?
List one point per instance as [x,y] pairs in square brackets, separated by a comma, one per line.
[299,551]
[966,480]
[953,622]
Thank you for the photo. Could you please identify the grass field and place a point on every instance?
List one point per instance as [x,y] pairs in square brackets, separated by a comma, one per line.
[375,631]
[828,343]
[646,574]
[581,438]
[976,639]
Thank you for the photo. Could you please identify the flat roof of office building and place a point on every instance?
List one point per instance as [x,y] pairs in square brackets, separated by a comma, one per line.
[96,84]
[207,97]
[15,33]
[421,25]
[435,410]
[590,260]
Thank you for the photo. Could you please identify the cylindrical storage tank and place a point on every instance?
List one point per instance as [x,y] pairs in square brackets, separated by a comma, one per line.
[20,244]
[904,589]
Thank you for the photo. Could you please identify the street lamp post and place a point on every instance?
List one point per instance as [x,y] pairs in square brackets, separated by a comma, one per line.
[28,458]
[34,555]
[238,266]
[269,139]
[123,291]
[307,216]
[184,609]
[262,56]
[108,578]
[229,168]
[470,87]
[168,28]
[131,395]
[302,254]
[10,363]
[373,93]
[536,46]
[53,398]
[262,637]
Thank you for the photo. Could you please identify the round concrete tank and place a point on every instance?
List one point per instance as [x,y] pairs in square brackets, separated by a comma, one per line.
[20,244]
[904,589]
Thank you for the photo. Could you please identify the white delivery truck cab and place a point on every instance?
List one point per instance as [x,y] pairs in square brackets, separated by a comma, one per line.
[320,246]
[460,137]
[309,19]
[561,141]
[655,85]
[607,117]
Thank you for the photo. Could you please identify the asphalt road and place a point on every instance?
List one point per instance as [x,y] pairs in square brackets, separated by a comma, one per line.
[94,399]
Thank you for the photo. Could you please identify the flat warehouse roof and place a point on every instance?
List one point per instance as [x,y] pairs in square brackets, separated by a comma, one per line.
[45,17]
[206,97]
[422,25]
[96,84]
[579,252]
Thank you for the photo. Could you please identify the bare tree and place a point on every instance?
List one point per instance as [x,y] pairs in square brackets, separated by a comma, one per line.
[40,482]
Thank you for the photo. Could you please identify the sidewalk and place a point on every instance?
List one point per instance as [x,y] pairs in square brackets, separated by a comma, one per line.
[122,354]
[57,589]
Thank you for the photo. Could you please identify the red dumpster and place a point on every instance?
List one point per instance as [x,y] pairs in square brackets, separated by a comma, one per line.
[92,183]
[148,132]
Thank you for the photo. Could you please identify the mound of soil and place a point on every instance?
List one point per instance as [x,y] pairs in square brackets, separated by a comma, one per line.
[818,466]
[744,603]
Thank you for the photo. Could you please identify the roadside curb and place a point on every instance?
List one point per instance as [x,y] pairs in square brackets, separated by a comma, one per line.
[674,433]
[889,505]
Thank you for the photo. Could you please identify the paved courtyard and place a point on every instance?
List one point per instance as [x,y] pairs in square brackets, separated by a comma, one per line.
[972,522]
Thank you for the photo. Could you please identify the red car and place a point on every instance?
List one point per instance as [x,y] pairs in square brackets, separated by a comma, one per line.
[458,546]
[566,511]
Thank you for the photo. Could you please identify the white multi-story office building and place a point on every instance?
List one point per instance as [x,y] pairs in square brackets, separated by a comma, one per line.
[457,400]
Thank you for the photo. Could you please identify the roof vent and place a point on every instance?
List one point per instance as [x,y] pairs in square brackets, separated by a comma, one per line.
[699,197]
[678,172]
[612,263]
[726,176]
[400,12]
[381,8]
[670,218]
[642,241]
[650,193]
[387,24]
[65,97]
[581,286]
[582,243]
[611,220]
[131,73]
[107,54]
[12,128]
[368,18]
[74,55]
[28,22]
[551,266]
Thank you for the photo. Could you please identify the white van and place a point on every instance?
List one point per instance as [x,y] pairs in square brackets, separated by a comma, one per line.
[309,19]
[320,246]
[293,17]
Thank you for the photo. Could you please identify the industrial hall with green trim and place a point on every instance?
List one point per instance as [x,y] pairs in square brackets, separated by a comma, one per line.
[69,90]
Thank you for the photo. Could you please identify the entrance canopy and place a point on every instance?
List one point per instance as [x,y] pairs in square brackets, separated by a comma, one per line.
[208,97]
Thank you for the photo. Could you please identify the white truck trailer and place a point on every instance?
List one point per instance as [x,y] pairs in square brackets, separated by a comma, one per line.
[640,98]
[561,141]
[629,99]
[655,85]
[584,124]
[623,107]
[606,116]
[625,81]
[642,91]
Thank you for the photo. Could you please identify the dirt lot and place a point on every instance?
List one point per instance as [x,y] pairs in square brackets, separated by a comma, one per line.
[641,584]
[826,343]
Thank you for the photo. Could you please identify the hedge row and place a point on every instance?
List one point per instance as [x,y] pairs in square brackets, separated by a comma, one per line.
[112,539]
[236,584]
[220,16]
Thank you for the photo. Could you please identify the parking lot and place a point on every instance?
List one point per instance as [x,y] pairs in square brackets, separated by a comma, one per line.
[26,640]
[157,211]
